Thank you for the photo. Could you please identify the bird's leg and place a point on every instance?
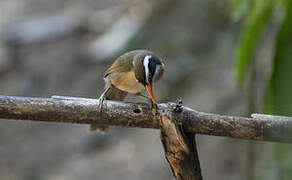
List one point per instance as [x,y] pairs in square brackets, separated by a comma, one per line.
[93,127]
[101,99]
[153,106]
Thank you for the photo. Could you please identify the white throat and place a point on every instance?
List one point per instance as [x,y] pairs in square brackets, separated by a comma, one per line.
[145,64]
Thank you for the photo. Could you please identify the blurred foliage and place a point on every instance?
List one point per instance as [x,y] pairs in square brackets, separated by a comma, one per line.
[239,9]
[258,14]
[278,98]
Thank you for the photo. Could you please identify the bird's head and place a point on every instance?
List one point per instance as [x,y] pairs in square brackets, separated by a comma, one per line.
[148,68]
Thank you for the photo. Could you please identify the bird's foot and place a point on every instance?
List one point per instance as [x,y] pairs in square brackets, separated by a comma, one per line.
[100,103]
[101,128]
[154,108]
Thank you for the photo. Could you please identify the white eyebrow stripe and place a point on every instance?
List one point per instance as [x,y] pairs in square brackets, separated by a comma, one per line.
[145,64]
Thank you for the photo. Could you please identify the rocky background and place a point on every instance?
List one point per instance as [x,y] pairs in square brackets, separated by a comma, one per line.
[62,47]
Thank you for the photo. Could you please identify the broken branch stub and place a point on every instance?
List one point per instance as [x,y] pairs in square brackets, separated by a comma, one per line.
[180,147]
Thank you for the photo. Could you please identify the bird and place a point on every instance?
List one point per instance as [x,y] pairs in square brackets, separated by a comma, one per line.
[132,72]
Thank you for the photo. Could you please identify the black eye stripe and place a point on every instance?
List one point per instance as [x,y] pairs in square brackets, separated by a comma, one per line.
[153,62]
[151,67]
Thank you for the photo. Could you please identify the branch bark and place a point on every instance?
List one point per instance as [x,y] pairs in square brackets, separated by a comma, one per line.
[84,111]
[180,149]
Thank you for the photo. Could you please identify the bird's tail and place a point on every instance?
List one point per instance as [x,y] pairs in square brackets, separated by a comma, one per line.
[111,93]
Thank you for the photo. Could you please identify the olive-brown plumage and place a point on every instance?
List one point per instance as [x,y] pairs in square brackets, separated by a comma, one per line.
[132,72]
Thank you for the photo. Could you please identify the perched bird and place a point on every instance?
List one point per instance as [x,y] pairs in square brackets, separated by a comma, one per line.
[132,72]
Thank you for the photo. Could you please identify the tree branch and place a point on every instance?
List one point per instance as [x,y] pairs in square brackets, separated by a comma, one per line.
[84,111]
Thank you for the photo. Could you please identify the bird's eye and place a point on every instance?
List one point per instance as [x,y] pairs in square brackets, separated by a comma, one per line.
[150,74]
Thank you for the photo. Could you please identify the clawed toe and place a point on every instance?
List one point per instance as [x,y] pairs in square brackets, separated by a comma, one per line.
[100,103]
[153,108]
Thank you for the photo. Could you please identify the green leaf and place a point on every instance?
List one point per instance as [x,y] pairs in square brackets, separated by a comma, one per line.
[238,9]
[254,24]
[278,98]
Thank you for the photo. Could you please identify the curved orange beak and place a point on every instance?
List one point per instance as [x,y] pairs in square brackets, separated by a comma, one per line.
[149,90]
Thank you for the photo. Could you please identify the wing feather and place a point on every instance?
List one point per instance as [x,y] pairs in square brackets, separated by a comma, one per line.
[124,63]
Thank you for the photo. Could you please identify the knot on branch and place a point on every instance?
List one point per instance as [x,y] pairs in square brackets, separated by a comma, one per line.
[177,108]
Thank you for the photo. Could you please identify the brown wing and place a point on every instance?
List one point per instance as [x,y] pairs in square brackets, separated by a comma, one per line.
[124,62]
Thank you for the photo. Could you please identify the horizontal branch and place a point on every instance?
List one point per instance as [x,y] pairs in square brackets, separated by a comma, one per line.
[84,111]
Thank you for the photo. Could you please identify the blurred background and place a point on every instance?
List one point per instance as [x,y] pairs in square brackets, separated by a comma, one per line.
[230,57]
